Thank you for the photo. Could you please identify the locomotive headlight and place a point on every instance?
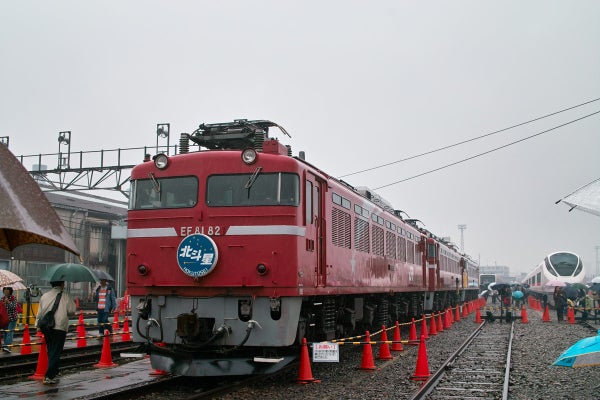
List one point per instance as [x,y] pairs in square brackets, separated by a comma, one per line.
[249,156]
[161,161]
[262,269]
[143,269]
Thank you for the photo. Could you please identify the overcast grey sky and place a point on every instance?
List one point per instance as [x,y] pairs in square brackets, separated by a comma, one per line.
[357,84]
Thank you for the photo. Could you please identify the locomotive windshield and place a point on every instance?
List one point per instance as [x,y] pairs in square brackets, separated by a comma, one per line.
[267,189]
[178,192]
[565,264]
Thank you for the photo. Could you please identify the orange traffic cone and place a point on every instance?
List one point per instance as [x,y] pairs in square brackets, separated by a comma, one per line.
[384,347]
[424,327]
[397,345]
[159,371]
[304,372]
[125,336]
[367,355]
[26,342]
[457,313]
[422,369]
[447,323]
[478,316]
[465,310]
[412,333]
[570,315]
[116,322]
[81,340]
[524,319]
[546,315]
[106,357]
[80,318]
[440,324]
[432,326]
[42,364]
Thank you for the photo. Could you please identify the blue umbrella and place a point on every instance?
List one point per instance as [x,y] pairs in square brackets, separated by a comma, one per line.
[584,353]
[517,294]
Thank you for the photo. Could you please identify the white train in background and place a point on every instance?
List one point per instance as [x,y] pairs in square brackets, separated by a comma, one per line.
[562,266]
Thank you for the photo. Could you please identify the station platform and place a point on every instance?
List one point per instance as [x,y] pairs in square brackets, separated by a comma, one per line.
[84,384]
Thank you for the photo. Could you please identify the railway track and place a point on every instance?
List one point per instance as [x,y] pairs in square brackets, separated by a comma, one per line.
[479,369]
[24,365]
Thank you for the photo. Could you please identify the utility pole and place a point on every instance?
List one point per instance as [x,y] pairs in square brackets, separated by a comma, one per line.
[462,228]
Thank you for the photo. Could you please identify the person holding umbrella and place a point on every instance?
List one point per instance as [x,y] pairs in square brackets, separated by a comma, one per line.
[55,337]
[106,303]
[560,301]
[13,308]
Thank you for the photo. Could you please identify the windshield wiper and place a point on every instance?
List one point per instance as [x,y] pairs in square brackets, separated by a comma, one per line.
[252,178]
[155,183]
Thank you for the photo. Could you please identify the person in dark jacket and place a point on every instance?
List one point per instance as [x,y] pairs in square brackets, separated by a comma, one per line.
[106,303]
[560,301]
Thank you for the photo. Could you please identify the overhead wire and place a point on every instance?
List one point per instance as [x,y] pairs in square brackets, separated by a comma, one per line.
[469,140]
[489,151]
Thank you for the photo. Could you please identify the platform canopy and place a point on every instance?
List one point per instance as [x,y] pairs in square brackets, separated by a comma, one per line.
[26,216]
[586,198]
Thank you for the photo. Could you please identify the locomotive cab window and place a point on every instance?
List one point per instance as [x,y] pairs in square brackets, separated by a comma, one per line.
[178,192]
[258,189]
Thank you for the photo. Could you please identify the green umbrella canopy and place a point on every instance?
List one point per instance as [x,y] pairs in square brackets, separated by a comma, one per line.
[70,273]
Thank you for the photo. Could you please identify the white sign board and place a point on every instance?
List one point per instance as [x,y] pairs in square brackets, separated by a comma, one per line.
[326,352]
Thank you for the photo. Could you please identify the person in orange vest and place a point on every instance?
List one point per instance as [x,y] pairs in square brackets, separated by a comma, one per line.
[106,303]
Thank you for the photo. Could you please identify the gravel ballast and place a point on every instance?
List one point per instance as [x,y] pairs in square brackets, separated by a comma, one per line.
[536,346]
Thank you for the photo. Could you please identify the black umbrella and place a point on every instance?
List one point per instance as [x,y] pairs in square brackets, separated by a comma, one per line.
[103,275]
[570,292]
[499,286]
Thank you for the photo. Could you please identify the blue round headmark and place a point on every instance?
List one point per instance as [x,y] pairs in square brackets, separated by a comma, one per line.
[197,255]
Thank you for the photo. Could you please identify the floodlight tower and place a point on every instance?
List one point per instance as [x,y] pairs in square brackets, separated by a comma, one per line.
[462,228]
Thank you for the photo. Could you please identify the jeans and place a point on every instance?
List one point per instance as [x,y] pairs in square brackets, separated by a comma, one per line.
[55,341]
[10,330]
[103,322]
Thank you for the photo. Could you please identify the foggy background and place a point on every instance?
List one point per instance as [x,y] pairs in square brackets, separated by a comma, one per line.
[356,84]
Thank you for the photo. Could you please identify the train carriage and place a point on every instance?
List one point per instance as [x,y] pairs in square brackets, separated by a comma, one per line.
[560,266]
[238,251]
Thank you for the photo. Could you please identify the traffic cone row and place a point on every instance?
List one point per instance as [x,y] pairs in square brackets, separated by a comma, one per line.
[422,372]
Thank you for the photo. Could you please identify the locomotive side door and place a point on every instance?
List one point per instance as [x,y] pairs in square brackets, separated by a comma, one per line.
[315,226]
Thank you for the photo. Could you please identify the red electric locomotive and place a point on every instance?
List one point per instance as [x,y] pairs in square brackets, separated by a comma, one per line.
[238,251]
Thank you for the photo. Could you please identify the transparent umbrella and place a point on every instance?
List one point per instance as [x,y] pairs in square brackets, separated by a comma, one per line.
[8,278]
